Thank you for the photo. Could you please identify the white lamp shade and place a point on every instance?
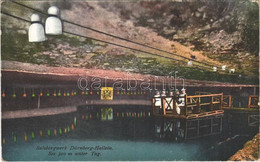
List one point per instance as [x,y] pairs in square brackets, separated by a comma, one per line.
[214,68]
[36,33]
[53,26]
[36,30]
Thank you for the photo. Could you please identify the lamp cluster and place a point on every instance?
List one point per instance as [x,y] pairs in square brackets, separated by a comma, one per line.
[53,25]
[223,67]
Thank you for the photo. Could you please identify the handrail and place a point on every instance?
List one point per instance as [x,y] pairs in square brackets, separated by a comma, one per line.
[195,101]
[210,95]
[227,101]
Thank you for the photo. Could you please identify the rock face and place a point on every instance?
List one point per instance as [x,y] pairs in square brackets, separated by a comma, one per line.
[250,152]
[208,31]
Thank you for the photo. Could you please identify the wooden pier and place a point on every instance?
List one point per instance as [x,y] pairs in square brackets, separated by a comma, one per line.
[199,115]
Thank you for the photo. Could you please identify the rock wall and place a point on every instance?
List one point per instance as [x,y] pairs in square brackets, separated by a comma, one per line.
[249,152]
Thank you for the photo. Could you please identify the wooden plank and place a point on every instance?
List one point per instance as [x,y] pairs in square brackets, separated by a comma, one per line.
[204,104]
[205,95]
[216,102]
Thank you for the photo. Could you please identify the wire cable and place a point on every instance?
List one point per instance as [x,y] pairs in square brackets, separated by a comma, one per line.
[80,35]
[117,37]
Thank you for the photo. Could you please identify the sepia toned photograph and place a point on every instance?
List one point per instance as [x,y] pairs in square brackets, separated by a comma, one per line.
[130,80]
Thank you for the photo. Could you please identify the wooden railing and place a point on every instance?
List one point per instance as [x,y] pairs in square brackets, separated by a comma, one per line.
[227,101]
[203,103]
[192,104]
[253,101]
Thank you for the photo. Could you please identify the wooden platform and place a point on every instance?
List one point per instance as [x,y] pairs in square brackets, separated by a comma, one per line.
[200,115]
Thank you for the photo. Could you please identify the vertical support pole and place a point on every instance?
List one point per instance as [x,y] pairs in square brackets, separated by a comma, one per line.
[230,102]
[254,90]
[163,105]
[39,101]
[174,105]
[221,101]
[211,103]
[239,102]
[153,102]
[185,106]
[198,105]
[249,101]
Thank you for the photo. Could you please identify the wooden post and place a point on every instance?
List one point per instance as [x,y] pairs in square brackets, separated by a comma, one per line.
[221,101]
[163,105]
[211,104]
[174,105]
[249,101]
[198,105]
[230,102]
[185,106]
[154,111]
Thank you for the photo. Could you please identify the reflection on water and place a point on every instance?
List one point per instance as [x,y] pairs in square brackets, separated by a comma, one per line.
[133,134]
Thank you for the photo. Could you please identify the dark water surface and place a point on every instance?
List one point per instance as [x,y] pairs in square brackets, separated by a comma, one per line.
[123,138]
